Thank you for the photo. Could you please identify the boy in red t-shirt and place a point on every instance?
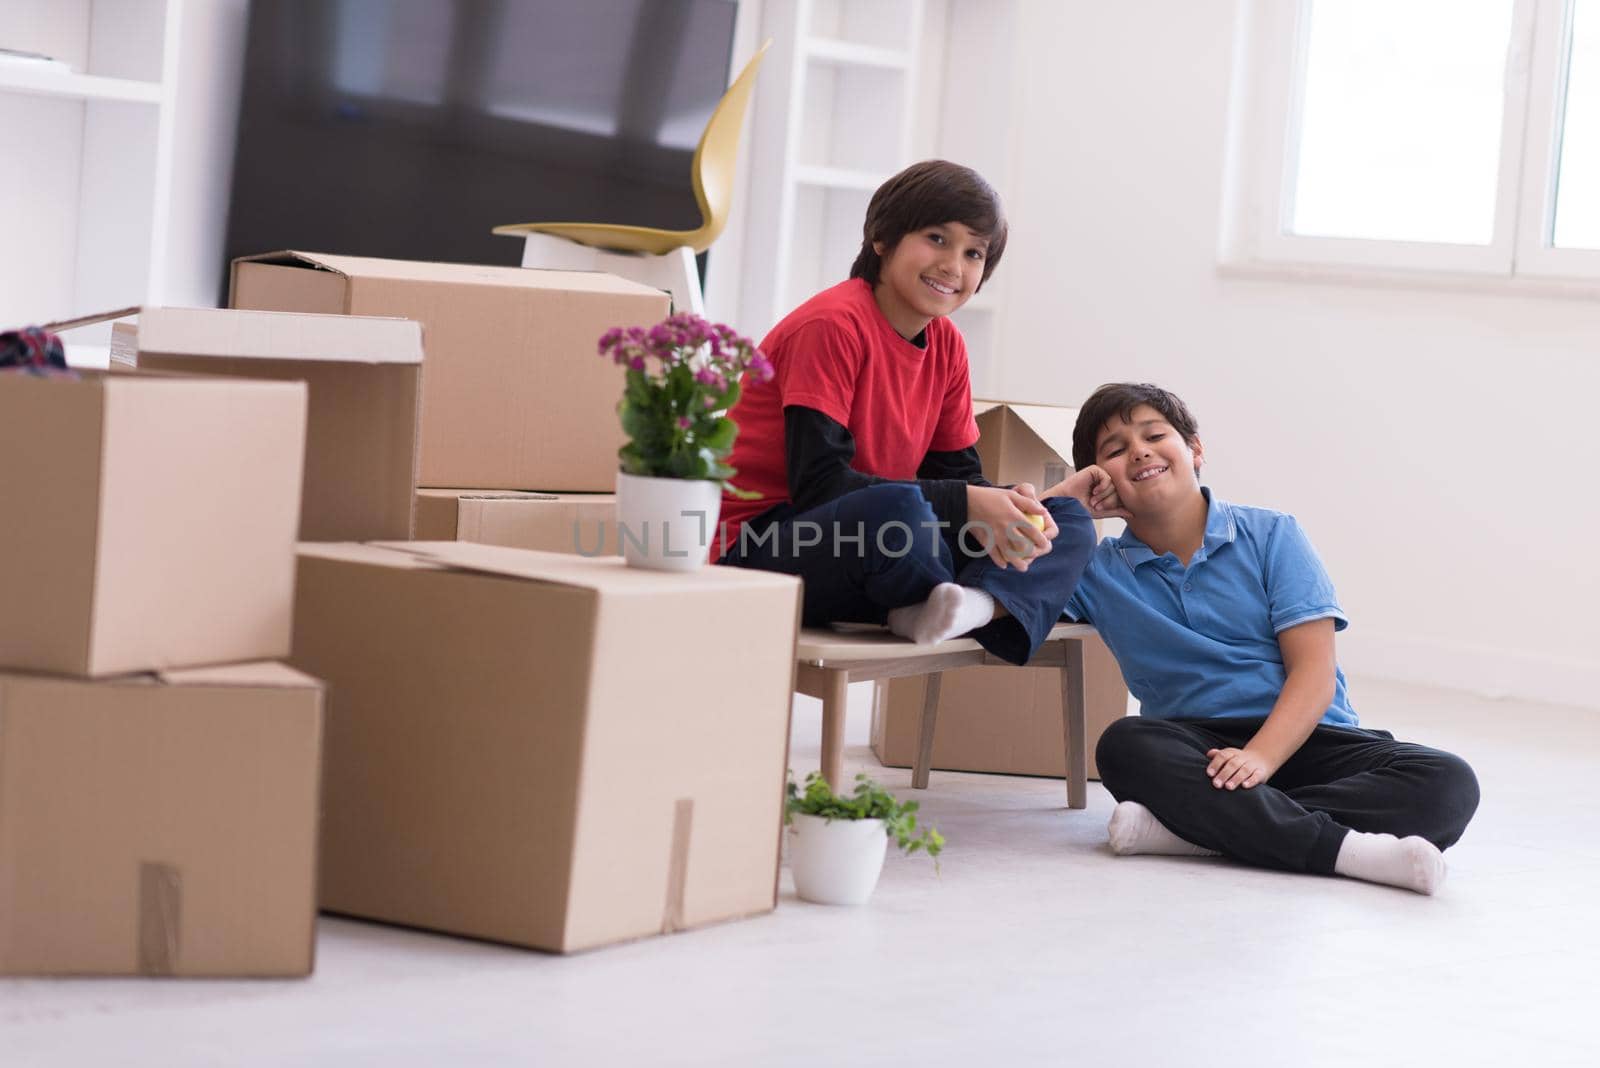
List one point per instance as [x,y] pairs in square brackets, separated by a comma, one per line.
[860,448]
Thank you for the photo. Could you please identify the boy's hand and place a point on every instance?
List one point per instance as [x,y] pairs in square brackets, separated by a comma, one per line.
[1233,768]
[998,519]
[1093,489]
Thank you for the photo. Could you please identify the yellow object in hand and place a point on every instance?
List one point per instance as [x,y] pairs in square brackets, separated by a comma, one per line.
[1037,520]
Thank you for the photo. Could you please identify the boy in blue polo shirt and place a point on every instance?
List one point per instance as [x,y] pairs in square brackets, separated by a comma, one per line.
[1222,619]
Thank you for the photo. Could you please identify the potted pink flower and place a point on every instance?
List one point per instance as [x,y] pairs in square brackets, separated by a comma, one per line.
[683,377]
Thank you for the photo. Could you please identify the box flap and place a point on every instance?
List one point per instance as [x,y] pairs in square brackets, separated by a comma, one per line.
[261,673]
[604,573]
[1051,422]
[500,495]
[222,332]
[360,553]
[457,273]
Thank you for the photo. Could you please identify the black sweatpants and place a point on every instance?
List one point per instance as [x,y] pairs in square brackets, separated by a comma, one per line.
[1342,779]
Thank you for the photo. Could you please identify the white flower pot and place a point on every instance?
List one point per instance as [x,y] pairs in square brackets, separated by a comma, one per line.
[667,524]
[836,862]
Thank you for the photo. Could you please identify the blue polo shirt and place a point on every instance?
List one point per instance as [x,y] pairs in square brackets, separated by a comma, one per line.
[1202,640]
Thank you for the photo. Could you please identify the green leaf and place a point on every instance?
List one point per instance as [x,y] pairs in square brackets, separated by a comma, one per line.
[721,435]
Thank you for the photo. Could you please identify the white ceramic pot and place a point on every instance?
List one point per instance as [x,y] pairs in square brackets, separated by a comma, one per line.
[667,524]
[836,862]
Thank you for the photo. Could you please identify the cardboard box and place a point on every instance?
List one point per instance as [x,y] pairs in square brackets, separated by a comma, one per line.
[997,719]
[147,522]
[582,523]
[365,379]
[1024,442]
[545,749]
[994,719]
[515,396]
[159,825]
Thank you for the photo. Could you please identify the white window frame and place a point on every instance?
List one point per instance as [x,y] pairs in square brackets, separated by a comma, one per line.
[1267,92]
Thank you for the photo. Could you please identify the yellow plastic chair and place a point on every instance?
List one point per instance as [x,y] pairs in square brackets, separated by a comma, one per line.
[644,253]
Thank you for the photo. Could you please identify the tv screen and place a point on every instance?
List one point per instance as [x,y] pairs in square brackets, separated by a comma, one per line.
[410,128]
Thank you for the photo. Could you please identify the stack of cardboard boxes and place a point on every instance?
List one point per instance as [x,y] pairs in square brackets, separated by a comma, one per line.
[515,398]
[158,773]
[545,749]
[541,748]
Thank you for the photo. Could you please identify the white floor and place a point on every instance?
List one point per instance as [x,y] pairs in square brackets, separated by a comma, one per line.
[1034,946]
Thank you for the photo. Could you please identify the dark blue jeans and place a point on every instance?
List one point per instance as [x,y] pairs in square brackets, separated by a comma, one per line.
[880,548]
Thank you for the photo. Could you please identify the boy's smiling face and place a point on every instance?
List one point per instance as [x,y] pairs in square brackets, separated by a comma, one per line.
[929,272]
[1150,464]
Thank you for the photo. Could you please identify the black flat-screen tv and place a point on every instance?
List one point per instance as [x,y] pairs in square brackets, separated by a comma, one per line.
[410,128]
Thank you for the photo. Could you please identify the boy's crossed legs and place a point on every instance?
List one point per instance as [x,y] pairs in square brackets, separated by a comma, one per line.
[871,555]
[1349,802]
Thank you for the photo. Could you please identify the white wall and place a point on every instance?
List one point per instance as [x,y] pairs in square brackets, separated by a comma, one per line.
[1436,444]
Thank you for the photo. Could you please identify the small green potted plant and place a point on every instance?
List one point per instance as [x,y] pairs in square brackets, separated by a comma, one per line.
[838,842]
[683,377]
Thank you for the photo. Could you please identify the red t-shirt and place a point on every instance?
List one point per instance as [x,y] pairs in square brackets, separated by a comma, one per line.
[838,354]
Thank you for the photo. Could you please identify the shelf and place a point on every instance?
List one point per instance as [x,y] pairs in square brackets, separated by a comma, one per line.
[850,54]
[45,81]
[838,178]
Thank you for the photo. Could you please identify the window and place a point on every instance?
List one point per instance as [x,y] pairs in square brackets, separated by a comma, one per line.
[1577,187]
[1441,136]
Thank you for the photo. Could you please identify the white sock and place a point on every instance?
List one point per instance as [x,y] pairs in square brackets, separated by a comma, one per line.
[1411,863]
[1134,829]
[949,612]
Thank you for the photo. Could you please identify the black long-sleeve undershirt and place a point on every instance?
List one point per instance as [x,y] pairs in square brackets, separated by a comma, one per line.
[818,451]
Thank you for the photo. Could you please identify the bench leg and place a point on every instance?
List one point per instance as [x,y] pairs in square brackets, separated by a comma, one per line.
[835,698]
[930,712]
[1073,714]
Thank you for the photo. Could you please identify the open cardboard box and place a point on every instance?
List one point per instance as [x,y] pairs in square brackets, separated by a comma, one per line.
[159,825]
[546,749]
[515,396]
[147,521]
[365,381]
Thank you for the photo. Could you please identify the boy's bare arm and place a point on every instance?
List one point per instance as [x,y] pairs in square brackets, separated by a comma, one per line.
[1307,691]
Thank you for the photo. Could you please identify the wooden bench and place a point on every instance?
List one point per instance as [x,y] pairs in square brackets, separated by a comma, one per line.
[829,661]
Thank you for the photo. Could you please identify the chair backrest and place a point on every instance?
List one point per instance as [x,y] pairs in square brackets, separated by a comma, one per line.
[718,151]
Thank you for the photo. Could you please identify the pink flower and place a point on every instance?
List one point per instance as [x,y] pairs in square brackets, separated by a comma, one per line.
[684,422]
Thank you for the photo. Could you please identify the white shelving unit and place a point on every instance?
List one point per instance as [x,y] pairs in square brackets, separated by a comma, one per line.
[834,117]
[47,82]
[84,212]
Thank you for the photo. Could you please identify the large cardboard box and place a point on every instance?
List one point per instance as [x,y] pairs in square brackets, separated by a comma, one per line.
[159,825]
[147,522]
[582,523]
[998,719]
[995,719]
[546,749]
[514,396]
[365,379]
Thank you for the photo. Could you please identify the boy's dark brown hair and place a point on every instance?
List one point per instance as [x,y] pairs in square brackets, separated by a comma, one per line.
[1117,400]
[926,194]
